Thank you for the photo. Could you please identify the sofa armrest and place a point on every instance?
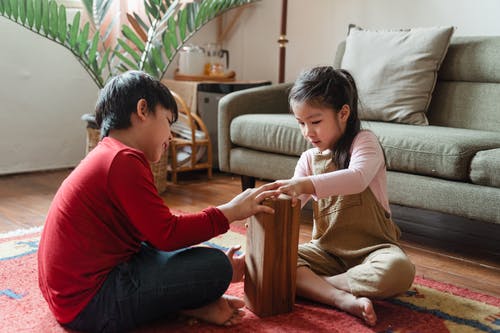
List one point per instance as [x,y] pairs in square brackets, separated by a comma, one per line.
[266,99]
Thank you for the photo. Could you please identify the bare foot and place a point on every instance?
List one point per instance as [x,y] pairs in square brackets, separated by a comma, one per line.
[358,306]
[224,311]
[237,262]
[332,291]
[361,307]
[367,311]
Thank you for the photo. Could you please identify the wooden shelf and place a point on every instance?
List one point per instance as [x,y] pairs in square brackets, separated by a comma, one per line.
[228,77]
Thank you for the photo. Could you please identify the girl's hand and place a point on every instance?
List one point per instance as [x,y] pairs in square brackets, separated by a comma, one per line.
[295,187]
[248,203]
[238,263]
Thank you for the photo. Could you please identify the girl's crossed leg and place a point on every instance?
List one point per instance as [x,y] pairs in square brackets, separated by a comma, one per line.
[325,278]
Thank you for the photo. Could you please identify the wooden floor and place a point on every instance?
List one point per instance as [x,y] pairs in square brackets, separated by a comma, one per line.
[25,198]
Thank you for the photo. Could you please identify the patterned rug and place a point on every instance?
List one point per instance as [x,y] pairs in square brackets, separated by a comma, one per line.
[429,306]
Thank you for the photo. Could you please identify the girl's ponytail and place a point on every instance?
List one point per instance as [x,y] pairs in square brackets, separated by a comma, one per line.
[342,150]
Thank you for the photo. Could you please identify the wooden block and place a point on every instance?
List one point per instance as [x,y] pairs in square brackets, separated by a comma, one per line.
[271,259]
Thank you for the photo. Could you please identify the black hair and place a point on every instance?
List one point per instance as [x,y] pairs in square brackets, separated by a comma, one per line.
[331,88]
[118,99]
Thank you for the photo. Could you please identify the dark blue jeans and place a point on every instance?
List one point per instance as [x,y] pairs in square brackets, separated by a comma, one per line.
[154,284]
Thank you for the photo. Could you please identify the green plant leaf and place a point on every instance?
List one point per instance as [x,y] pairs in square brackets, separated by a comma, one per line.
[166,46]
[122,68]
[202,14]
[213,8]
[131,35]
[22,12]
[129,50]
[157,59]
[126,61]
[8,8]
[93,49]
[182,23]
[14,10]
[172,32]
[94,66]
[150,68]
[38,15]
[53,19]
[104,61]
[63,25]
[73,34]
[45,17]
[172,39]
[164,6]
[83,39]
[151,11]
[30,13]
[191,9]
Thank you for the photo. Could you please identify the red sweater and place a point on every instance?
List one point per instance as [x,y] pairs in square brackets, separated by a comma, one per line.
[99,216]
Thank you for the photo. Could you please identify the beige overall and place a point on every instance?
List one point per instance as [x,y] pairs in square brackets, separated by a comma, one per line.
[354,234]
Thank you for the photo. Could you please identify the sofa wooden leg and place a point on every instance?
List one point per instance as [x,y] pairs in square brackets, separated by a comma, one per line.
[247,182]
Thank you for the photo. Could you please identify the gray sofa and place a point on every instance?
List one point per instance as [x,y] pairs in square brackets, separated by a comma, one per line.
[443,179]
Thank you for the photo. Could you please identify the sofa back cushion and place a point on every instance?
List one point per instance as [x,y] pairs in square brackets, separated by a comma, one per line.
[467,92]
[395,71]
[272,133]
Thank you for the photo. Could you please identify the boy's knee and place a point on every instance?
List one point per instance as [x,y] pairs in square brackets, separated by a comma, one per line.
[221,265]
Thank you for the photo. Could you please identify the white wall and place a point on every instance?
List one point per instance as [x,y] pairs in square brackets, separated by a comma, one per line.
[43,93]
[44,90]
[315,27]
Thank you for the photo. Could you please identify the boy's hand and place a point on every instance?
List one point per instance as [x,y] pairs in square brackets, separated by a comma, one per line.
[238,263]
[295,187]
[248,203]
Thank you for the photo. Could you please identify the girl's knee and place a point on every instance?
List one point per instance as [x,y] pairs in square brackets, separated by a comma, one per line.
[382,278]
[398,277]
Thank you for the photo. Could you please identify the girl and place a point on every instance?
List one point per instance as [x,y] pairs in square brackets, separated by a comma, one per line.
[354,254]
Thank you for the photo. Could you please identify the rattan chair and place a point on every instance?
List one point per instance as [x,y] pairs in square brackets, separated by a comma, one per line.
[191,148]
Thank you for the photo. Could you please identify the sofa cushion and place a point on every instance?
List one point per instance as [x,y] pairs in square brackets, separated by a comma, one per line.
[485,168]
[432,150]
[275,133]
[457,198]
[395,71]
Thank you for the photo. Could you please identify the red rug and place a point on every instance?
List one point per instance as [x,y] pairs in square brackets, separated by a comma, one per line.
[429,306]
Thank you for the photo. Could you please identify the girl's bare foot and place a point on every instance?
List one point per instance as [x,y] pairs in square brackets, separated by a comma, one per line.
[361,307]
[332,291]
[367,313]
[224,311]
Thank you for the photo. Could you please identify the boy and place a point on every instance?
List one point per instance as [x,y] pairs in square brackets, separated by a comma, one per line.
[112,256]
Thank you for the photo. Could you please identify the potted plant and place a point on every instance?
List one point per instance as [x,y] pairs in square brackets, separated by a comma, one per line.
[147,43]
